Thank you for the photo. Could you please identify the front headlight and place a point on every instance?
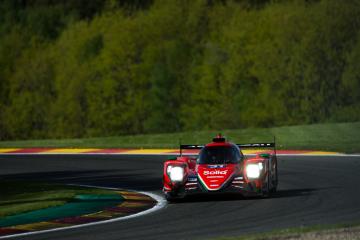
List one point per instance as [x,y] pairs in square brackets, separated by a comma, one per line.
[175,173]
[253,170]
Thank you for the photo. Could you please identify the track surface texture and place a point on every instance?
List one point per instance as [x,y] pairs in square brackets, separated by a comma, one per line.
[312,190]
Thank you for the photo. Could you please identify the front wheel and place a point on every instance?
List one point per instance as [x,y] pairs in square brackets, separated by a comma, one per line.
[274,179]
[265,193]
[171,197]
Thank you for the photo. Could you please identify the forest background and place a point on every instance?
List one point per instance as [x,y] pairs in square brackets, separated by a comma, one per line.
[79,68]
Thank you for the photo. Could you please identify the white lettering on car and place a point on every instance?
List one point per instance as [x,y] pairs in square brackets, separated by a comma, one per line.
[215,172]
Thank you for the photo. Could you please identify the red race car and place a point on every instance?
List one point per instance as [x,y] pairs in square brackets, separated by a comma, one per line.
[221,167]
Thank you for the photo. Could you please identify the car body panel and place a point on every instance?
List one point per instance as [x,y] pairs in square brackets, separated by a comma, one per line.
[224,175]
[214,177]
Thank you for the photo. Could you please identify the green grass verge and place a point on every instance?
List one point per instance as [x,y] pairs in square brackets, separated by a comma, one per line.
[343,137]
[19,196]
[287,233]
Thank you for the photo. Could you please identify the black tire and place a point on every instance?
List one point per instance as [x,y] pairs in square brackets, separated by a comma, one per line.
[171,197]
[266,191]
[275,181]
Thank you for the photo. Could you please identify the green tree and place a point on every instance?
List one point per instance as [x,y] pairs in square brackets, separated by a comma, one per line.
[30,95]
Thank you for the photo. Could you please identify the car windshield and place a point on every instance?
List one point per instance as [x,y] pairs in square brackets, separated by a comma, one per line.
[219,155]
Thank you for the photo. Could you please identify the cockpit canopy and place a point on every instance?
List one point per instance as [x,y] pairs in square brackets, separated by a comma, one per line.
[220,155]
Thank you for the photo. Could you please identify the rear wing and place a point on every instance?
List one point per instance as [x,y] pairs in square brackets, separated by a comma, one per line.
[259,145]
[246,145]
[256,145]
[189,147]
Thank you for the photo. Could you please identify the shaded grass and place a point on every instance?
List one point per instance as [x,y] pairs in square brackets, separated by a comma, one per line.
[343,137]
[19,197]
[287,233]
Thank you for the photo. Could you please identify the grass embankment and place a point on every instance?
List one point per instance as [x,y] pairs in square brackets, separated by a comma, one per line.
[317,232]
[18,197]
[343,137]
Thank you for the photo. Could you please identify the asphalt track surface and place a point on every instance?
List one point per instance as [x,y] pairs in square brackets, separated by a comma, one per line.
[312,190]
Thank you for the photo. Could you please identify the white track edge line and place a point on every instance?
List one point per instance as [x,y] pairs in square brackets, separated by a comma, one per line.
[161,203]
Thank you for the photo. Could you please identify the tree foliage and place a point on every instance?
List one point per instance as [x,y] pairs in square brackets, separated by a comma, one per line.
[115,67]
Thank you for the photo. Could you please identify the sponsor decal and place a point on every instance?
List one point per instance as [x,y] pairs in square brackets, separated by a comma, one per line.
[215,172]
[213,179]
[216,166]
[192,179]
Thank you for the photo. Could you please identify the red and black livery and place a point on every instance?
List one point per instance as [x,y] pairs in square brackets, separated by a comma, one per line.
[221,167]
